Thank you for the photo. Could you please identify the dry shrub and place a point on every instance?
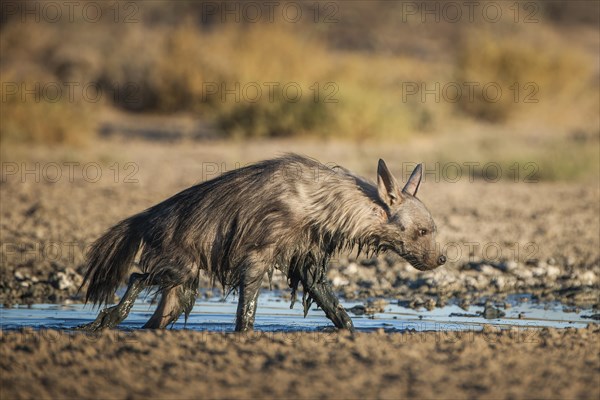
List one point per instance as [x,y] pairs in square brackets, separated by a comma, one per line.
[246,80]
[166,63]
[537,61]
[235,76]
[45,122]
[41,111]
[36,104]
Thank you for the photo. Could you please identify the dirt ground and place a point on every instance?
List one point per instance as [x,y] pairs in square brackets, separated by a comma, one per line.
[558,364]
[500,237]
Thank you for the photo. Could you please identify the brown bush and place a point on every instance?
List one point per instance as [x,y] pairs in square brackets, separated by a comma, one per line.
[525,66]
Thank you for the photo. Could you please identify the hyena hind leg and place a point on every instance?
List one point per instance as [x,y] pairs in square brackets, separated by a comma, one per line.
[249,291]
[112,316]
[173,302]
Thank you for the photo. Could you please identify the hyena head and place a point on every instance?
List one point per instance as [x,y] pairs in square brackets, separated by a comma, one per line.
[409,229]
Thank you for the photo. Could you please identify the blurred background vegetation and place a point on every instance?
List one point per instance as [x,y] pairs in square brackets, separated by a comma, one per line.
[367,70]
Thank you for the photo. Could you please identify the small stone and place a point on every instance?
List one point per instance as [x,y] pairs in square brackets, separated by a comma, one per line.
[358,310]
[552,271]
[441,302]
[510,266]
[339,281]
[491,312]
[375,306]
[499,282]
[487,270]
[61,281]
[524,273]
[351,269]
[588,278]
[430,304]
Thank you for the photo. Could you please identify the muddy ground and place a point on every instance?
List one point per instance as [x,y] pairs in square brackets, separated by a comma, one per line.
[501,237]
[550,363]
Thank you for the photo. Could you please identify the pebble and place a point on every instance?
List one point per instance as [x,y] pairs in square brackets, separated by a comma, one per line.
[430,304]
[358,310]
[491,312]
[339,281]
[510,266]
[588,278]
[465,304]
[499,282]
[351,269]
[62,281]
[553,271]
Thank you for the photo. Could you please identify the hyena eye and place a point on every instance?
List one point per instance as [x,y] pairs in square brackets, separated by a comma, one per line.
[422,232]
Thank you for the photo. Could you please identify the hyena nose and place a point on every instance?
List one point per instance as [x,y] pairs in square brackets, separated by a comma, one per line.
[441,260]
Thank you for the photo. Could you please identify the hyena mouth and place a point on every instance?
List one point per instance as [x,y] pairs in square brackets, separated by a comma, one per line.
[415,262]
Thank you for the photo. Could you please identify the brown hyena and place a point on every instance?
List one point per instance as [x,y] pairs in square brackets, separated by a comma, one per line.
[290,213]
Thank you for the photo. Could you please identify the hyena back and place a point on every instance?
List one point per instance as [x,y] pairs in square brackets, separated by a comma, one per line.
[290,213]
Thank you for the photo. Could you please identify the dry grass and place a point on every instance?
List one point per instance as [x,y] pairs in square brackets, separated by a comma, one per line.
[521,158]
[45,122]
[38,113]
[530,66]
[169,64]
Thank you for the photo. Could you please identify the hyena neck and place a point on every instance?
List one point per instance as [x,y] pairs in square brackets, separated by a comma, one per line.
[347,211]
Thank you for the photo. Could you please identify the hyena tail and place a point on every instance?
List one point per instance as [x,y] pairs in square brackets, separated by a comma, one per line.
[110,259]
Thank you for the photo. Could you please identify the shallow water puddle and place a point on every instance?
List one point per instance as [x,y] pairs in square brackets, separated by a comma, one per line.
[274,314]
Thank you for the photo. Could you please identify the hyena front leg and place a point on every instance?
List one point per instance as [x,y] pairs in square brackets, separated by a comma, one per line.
[325,298]
[113,316]
[252,276]
[173,302]
[320,291]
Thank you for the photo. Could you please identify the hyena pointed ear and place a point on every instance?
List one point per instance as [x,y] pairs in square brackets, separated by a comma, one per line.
[387,186]
[414,181]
